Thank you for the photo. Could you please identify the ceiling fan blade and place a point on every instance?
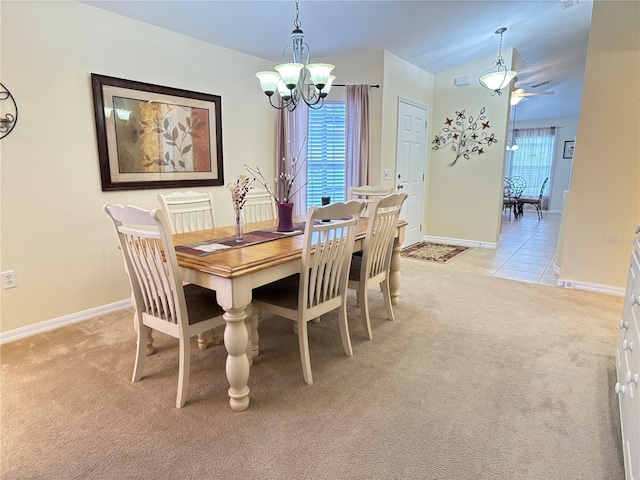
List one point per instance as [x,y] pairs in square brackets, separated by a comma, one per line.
[534,94]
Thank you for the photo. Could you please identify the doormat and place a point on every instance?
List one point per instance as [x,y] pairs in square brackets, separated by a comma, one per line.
[434,252]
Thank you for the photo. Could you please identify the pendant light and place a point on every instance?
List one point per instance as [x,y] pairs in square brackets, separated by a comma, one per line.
[497,77]
[513,146]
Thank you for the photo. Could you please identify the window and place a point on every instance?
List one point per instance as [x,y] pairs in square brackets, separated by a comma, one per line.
[326,146]
[533,160]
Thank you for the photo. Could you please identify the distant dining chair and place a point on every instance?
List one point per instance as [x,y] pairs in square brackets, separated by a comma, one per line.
[513,188]
[259,206]
[367,193]
[372,268]
[188,211]
[508,202]
[160,300]
[321,285]
[535,201]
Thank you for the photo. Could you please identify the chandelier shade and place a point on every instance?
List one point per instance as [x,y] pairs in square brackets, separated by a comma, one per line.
[268,81]
[297,81]
[498,76]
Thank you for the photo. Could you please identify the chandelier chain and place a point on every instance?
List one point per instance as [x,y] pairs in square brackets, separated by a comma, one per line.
[296,22]
[500,60]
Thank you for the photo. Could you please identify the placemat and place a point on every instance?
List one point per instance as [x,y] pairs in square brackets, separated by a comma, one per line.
[209,247]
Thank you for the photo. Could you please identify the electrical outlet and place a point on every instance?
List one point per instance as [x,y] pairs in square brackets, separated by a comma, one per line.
[9,279]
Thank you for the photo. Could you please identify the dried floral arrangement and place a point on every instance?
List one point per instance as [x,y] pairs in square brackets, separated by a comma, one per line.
[285,181]
[239,190]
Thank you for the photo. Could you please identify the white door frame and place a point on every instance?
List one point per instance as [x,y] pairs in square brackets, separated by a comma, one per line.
[418,175]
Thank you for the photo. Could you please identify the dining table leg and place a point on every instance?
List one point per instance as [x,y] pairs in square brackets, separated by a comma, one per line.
[236,301]
[237,366]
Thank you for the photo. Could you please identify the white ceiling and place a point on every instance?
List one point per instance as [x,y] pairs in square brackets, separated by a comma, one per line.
[550,42]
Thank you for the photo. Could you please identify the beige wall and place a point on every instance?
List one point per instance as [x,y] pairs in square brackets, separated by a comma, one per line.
[605,204]
[465,200]
[54,232]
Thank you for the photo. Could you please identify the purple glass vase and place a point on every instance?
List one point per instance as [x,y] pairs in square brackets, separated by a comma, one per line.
[285,214]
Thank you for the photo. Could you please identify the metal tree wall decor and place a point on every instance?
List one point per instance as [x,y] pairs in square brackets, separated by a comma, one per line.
[8,111]
[464,135]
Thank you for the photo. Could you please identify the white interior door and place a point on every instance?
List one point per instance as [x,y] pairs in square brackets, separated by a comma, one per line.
[411,163]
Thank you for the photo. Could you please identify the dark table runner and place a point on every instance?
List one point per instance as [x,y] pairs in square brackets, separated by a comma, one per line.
[227,243]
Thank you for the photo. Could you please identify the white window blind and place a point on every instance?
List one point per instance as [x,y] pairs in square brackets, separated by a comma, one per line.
[326,146]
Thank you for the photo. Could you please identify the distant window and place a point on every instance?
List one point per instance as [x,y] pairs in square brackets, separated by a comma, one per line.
[326,146]
[533,160]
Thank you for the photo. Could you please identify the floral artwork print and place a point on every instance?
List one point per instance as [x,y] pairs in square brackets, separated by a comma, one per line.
[464,135]
[161,137]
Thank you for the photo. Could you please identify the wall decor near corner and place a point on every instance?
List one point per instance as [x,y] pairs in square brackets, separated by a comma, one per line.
[465,136]
[8,111]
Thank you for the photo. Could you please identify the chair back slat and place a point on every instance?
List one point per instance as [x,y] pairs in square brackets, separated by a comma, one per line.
[327,251]
[150,261]
[366,194]
[188,211]
[259,206]
[383,221]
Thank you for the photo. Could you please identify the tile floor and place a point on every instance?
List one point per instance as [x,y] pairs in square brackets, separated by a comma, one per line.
[526,252]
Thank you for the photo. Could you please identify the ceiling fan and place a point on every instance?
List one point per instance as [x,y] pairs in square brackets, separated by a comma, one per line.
[520,94]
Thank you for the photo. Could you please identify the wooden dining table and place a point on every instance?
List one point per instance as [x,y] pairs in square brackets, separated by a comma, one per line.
[233,273]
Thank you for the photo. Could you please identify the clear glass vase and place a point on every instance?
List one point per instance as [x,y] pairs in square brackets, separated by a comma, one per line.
[239,228]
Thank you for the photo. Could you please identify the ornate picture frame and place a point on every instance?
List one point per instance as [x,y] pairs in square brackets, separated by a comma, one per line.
[150,136]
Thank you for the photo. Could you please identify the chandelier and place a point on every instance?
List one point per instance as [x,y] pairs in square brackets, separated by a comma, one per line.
[497,77]
[299,80]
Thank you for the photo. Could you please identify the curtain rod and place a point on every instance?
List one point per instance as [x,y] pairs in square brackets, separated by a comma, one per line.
[343,85]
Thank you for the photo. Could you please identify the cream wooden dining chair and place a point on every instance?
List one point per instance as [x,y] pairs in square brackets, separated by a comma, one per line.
[188,211]
[372,267]
[259,205]
[160,300]
[321,285]
[367,193]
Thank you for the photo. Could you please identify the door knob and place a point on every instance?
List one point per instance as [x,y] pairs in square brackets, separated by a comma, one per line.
[400,186]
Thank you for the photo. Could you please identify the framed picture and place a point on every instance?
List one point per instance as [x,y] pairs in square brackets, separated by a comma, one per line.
[151,136]
[569,145]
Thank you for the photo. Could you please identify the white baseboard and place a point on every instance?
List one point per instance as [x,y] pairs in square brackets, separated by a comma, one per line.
[47,325]
[459,242]
[592,287]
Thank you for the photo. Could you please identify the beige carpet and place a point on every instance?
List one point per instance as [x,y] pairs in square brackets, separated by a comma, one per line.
[478,378]
[433,252]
